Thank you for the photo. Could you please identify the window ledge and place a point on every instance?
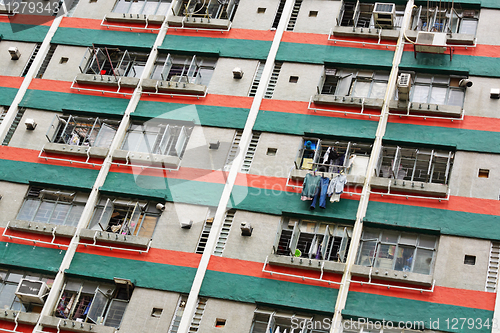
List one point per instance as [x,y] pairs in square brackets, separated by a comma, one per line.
[30,318]
[372,103]
[165,161]
[174,87]
[42,228]
[60,148]
[428,109]
[453,38]
[314,264]
[198,22]
[107,80]
[365,32]
[392,275]
[74,326]
[135,18]
[428,189]
[351,179]
[110,237]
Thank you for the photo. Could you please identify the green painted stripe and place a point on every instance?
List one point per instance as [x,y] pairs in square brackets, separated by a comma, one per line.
[142,273]
[206,115]
[300,124]
[320,54]
[224,47]
[377,307]
[109,38]
[25,172]
[251,289]
[7,95]
[30,257]
[170,189]
[462,139]
[474,65]
[57,101]
[446,222]
[486,3]
[23,32]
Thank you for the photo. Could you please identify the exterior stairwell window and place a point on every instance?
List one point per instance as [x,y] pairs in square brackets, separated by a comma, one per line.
[189,69]
[142,7]
[399,251]
[313,240]
[113,61]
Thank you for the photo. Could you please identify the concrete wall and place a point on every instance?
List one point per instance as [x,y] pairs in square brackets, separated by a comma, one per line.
[168,232]
[464,180]
[246,16]
[12,200]
[488,31]
[222,81]
[328,11]
[32,139]
[197,153]
[450,270]
[65,71]
[256,247]
[309,78]
[137,317]
[93,9]
[280,164]
[238,316]
[11,67]
[477,98]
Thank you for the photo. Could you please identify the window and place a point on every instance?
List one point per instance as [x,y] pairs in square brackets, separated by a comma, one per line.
[312,151]
[399,251]
[214,9]
[313,13]
[9,280]
[360,15]
[355,83]
[113,61]
[483,173]
[178,68]
[157,138]
[415,164]
[145,7]
[125,217]
[261,10]
[82,131]
[469,260]
[313,239]
[52,206]
[94,302]
[445,19]
[269,320]
[437,89]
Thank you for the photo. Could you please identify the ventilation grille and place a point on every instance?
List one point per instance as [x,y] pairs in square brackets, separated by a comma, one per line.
[179,310]
[46,61]
[31,59]
[295,14]
[13,127]
[256,80]
[234,150]
[247,162]
[279,12]
[198,314]
[204,235]
[273,80]
[224,232]
[3,112]
[492,276]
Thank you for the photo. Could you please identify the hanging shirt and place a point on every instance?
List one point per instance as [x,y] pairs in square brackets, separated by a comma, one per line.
[337,185]
[310,185]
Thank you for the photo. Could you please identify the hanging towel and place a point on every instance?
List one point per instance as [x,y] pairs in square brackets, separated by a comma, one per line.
[337,184]
[310,185]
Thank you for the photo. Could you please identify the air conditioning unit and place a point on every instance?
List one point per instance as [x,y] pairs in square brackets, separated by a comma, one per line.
[246,229]
[383,14]
[30,291]
[404,85]
[431,42]
[14,53]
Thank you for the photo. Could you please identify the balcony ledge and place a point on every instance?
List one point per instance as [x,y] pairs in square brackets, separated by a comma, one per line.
[427,109]
[29,318]
[174,87]
[166,161]
[313,264]
[134,18]
[113,238]
[107,80]
[407,186]
[74,326]
[198,22]
[61,148]
[392,275]
[388,34]
[371,103]
[42,228]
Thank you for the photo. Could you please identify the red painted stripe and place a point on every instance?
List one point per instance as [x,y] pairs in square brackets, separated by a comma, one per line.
[7,325]
[28,19]
[11,81]
[481,50]
[93,24]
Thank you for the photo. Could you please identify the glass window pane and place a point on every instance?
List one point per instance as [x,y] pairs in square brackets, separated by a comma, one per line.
[367,253]
[44,212]
[121,6]
[136,7]
[14,277]
[205,75]
[378,90]
[115,313]
[370,234]
[427,241]
[95,218]
[420,94]
[28,209]
[59,214]
[74,215]
[7,295]
[423,261]
[150,7]
[456,97]
[162,10]
[408,239]
[147,143]
[361,89]
[404,258]
[468,26]
[441,79]
[438,95]
[385,257]
[131,141]
[423,78]
[390,237]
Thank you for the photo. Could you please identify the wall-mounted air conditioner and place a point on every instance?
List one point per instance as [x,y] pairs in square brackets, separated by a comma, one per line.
[431,42]
[404,85]
[383,14]
[30,291]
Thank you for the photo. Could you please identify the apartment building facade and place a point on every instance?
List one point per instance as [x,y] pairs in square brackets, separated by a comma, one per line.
[156,158]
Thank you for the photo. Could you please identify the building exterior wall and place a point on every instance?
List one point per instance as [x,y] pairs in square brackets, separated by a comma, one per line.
[247,16]
[14,67]
[12,199]
[65,71]
[325,20]
[309,79]
[223,82]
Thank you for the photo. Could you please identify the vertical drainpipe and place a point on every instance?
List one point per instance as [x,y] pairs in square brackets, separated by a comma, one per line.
[53,296]
[336,326]
[192,301]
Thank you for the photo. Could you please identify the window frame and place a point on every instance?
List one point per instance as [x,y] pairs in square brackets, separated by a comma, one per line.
[145,2]
[123,63]
[452,86]
[342,82]
[181,68]
[450,19]
[288,318]
[212,7]
[361,11]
